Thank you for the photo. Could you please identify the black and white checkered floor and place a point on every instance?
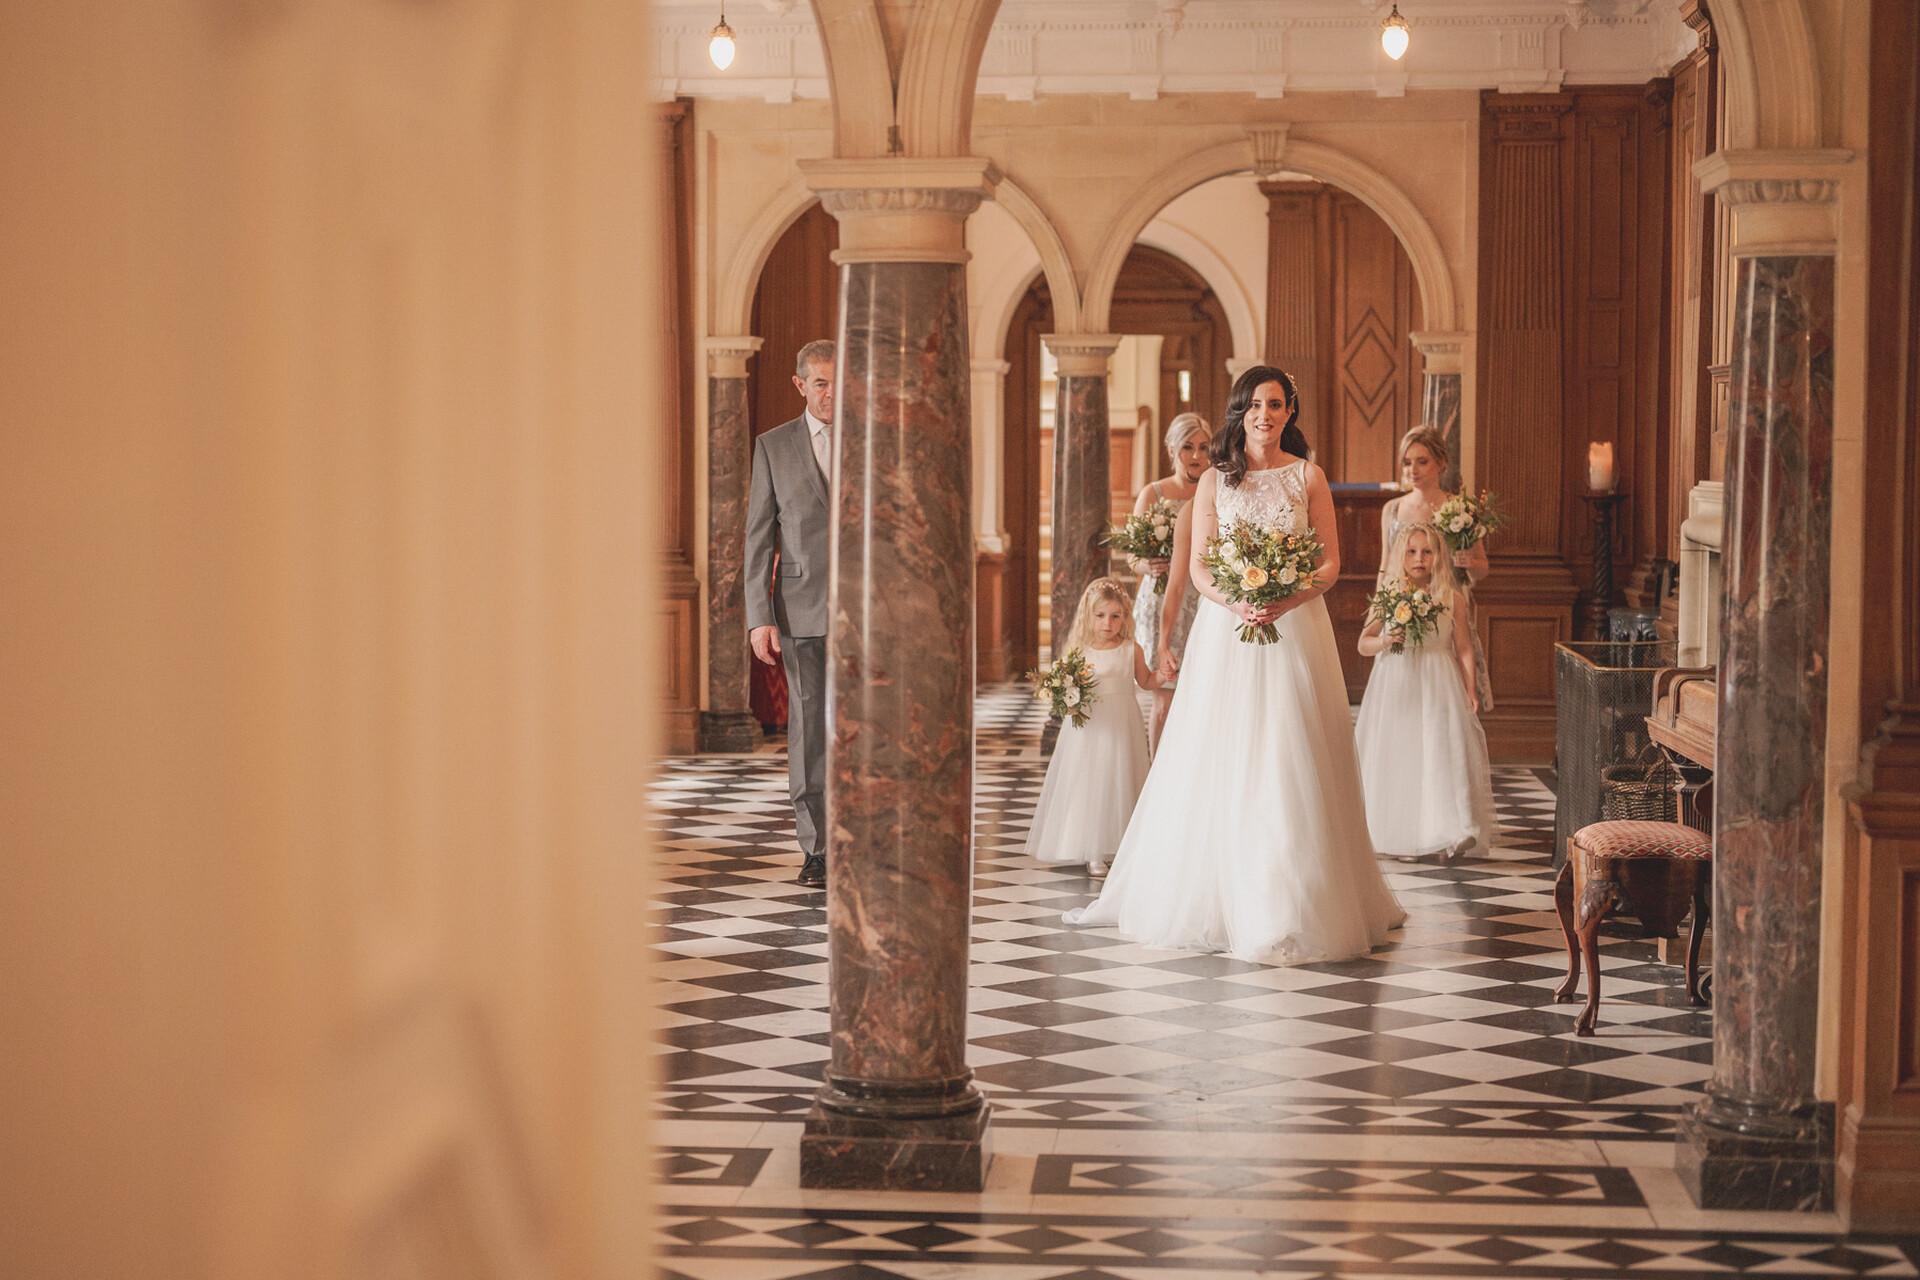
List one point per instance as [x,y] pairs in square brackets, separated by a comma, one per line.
[1423,1111]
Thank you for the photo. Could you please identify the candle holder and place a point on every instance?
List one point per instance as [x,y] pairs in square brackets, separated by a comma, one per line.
[1600,595]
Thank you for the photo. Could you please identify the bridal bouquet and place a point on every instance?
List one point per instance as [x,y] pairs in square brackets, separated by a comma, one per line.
[1068,685]
[1147,536]
[1409,612]
[1466,518]
[1261,566]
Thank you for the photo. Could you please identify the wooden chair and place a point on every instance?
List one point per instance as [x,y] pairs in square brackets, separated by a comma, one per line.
[1654,871]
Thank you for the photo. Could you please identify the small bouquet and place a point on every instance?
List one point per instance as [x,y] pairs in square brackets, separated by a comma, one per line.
[1147,536]
[1466,518]
[1410,612]
[1068,685]
[1261,566]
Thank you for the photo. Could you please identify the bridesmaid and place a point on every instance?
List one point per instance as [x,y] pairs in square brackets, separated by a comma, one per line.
[1423,459]
[1187,442]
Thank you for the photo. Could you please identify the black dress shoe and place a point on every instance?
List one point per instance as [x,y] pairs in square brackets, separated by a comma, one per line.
[813,872]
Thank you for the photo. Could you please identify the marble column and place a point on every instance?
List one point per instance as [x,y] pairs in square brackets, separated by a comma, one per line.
[1440,395]
[1082,473]
[898,1109]
[1760,1140]
[727,724]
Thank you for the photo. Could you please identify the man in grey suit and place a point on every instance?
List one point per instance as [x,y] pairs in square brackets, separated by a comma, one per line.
[788,512]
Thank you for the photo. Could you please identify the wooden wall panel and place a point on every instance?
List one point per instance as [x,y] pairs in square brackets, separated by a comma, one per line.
[1299,267]
[1341,302]
[1614,273]
[1877,1163]
[1692,222]
[680,589]
[1522,408]
[1573,343]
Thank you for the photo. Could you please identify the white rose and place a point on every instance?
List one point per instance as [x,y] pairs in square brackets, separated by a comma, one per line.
[1159,531]
[1288,576]
[1072,698]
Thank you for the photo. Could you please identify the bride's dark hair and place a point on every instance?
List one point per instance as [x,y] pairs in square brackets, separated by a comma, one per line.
[1229,448]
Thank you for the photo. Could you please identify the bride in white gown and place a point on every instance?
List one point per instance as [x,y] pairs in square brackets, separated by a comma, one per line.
[1250,836]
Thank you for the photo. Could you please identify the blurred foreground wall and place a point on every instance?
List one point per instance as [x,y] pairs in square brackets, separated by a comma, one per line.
[325,664]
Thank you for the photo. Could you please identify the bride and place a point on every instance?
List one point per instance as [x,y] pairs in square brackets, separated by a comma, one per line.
[1250,836]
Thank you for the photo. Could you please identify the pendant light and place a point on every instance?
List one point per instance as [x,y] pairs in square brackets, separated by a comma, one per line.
[1393,34]
[720,44]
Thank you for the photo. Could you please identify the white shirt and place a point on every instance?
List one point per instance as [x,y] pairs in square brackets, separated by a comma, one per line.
[820,433]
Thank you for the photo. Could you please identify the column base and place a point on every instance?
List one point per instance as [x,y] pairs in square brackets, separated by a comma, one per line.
[1731,1158]
[729,732]
[860,1153]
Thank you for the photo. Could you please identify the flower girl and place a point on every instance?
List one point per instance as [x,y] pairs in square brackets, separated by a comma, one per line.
[1423,755]
[1099,766]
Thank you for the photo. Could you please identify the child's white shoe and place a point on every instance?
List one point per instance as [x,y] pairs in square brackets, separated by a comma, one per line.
[1098,870]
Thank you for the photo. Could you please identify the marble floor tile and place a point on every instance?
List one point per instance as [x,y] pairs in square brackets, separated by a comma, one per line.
[1424,1111]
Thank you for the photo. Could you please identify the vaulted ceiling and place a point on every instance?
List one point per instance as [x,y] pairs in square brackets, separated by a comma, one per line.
[1267,48]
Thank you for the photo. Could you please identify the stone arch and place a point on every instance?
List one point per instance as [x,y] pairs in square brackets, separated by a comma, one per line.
[859,76]
[1430,267]
[1769,42]
[938,73]
[732,307]
[1061,280]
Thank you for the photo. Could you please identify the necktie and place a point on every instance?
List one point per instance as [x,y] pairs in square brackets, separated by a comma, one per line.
[820,452]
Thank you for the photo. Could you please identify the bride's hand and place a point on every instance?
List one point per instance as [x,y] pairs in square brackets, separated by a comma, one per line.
[1288,605]
[1169,665]
[1258,615]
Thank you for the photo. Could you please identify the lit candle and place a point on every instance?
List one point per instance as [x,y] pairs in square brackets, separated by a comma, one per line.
[1600,466]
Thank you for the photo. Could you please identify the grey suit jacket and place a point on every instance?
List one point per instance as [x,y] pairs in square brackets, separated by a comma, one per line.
[788,510]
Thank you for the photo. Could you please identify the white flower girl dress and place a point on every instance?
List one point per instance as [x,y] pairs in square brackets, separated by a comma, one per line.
[1423,754]
[1096,771]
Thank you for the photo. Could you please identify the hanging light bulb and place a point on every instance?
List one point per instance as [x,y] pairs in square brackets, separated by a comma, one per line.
[720,43]
[1393,34]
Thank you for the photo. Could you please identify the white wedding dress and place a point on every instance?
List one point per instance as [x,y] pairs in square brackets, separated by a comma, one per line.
[1250,836]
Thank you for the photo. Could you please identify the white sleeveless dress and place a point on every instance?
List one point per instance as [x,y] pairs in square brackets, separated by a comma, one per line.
[1096,771]
[1250,837]
[1423,754]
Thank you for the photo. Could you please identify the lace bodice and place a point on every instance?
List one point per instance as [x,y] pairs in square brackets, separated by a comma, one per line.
[1274,499]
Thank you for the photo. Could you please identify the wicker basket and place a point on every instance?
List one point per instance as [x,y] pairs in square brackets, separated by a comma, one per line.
[1644,791]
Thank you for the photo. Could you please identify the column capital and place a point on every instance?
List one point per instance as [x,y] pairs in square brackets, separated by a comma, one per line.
[1441,352]
[1784,203]
[1082,355]
[727,357]
[900,208]
[998,368]
[1237,365]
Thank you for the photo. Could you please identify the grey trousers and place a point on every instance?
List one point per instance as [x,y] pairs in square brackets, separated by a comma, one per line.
[805,660]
